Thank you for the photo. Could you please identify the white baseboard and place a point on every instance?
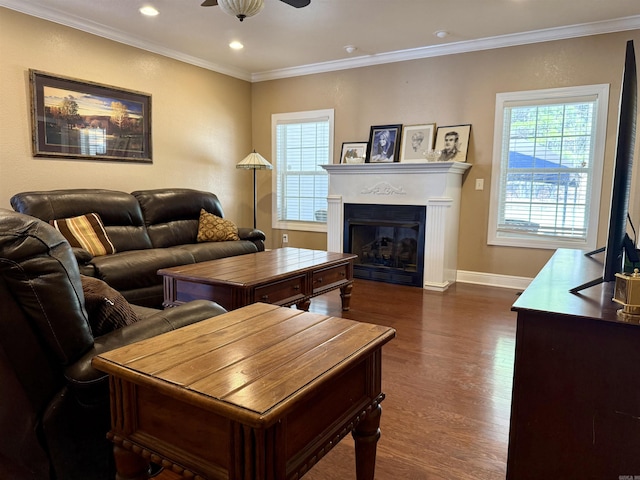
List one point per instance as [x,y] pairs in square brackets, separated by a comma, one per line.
[493,279]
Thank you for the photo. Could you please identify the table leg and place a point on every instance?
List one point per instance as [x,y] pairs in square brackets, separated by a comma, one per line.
[366,435]
[345,295]
[304,305]
[130,466]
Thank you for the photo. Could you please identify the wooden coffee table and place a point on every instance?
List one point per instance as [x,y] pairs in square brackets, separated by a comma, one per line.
[262,392]
[284,276]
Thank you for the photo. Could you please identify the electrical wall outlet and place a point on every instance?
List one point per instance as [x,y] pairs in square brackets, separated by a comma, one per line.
[285,239]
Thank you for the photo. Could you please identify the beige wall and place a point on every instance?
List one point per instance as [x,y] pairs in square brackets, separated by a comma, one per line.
[201,120]
[450,90]
[204,123]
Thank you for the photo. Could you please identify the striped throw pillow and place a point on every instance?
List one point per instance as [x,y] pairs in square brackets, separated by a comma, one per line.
[87,232]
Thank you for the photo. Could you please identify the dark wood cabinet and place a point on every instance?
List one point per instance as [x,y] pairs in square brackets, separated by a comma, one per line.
[575,411]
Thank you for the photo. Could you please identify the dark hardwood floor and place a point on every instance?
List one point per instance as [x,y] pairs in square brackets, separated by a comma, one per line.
[447,376]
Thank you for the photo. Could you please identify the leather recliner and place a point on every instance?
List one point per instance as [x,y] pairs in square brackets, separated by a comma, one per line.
[54,411]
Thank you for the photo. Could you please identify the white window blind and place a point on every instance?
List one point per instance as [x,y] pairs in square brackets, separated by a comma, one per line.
[303,141]
[548,157]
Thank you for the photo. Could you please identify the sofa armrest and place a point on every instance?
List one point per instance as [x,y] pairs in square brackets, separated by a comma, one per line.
[87,382]
[253,234]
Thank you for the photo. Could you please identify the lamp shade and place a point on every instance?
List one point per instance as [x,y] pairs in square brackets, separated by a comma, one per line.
[254,161]
[241,8]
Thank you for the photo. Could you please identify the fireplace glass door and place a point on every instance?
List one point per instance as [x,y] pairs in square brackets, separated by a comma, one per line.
[389,242]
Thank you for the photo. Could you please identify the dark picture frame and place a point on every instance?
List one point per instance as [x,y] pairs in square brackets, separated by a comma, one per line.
[384,144]
[353,152]
[79,119]
[417,141]
[455,149]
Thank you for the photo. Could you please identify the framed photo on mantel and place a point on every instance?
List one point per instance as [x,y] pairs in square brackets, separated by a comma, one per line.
[384,144]
[417,140]
[353,152]
[453,143]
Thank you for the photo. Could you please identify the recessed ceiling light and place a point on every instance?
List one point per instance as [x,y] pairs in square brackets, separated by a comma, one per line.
[236,45]
[149,11]
[350,48]
[441,34]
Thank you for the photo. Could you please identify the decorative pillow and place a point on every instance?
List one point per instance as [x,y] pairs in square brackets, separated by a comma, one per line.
[107,308]
[212,228]
[86,231]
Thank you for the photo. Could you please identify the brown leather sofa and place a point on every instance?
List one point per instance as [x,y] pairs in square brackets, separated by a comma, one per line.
[150,229]
[54,412]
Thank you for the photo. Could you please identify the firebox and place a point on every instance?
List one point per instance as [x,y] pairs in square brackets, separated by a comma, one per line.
[389,241]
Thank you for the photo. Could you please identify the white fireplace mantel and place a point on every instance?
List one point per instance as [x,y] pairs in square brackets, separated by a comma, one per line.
[436,185]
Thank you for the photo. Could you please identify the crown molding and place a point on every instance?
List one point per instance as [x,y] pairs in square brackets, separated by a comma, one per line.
[538,36]
[119,36]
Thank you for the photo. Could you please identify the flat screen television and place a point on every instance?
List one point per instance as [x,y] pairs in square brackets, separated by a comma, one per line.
[619,243]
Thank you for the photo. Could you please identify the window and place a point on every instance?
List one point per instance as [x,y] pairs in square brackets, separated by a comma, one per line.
[302,142]
[548,155]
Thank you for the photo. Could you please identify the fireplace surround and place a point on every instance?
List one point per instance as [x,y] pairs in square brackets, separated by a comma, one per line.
[434,188]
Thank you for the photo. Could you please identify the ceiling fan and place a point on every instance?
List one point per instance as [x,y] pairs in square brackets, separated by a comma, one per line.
[248,8]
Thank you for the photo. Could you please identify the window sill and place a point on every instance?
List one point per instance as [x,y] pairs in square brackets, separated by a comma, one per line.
[301,226]
[542,243]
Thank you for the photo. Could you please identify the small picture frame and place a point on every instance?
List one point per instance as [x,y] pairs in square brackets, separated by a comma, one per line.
[384,144]
[417,140]
[353,152]
[453,143]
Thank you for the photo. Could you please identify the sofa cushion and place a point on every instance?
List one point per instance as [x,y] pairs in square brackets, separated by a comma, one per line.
[138,268]
[172,214]
[107,309]
[202,252]
[212,228]
[149,297]
[119,211]
[86,232]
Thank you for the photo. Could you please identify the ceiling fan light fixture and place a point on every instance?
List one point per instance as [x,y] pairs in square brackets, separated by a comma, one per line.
[241,8]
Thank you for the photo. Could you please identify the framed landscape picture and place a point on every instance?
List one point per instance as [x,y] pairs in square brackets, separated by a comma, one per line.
[453,143]
[384,144]
[417,140]
[353,152]
[78,119]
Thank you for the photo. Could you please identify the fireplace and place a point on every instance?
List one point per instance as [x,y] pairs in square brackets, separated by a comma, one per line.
[389,242]
[386,247]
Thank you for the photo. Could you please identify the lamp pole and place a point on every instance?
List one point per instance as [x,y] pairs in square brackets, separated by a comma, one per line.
[254,161]
[255,198]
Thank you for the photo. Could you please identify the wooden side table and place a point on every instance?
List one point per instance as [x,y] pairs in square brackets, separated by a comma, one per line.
[262,392]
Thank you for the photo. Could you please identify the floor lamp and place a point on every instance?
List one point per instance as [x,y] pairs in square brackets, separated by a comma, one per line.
[254,161]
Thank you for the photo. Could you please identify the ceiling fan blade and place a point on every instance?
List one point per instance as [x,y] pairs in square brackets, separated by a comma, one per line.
[209,3]
[297,3]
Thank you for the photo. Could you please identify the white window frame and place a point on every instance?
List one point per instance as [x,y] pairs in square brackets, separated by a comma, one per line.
[297,117]
[543,97]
